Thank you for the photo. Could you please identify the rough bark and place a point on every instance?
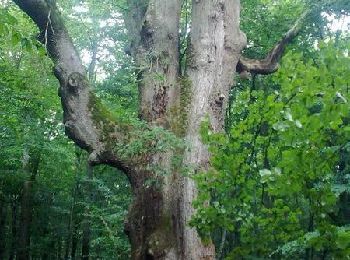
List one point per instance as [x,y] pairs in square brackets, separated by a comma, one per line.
[91,127]
[158,219]
[216,44]
[154,223]
[154,27]
[86,121]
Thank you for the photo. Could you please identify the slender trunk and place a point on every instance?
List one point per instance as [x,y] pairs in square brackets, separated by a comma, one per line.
[85,248]
[3,215]
[222,244]
[67,248]
[47,249]
[75,240]
[13,231]
[309,253]
[51,254]
[25,220]
[59,248]
[92,66]
[71,222]
[152,223]
[87,220]
[68,241]
[31,167]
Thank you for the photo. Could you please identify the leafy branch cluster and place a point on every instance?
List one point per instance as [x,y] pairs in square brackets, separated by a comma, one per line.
[279,179]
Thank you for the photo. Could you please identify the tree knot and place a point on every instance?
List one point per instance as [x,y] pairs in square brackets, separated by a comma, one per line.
[75,80]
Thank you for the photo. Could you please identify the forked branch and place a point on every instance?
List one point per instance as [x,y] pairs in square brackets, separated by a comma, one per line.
[109,139]
[270,63]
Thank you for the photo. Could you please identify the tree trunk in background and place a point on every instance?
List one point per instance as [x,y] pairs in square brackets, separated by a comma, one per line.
[85,250]
[92,66]
[68,241]
[3,216]
[71,223]
[31,167]
[85,247]
[25,220]
[12,254]
[344,208]
[59,248]
[75,240]
[222,244]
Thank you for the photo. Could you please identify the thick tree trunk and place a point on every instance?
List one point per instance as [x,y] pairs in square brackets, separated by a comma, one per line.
[153,226]
[216,43]
[158,218]
[215,47]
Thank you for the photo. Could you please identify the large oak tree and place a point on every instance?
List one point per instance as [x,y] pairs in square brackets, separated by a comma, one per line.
[172,103]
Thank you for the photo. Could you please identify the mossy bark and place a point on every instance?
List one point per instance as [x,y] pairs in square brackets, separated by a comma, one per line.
[180,104]
[158,218]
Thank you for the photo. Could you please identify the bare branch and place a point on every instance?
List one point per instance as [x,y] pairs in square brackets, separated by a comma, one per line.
[270,63]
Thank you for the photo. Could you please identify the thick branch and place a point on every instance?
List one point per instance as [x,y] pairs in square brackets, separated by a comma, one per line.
[270,63]
[86,122]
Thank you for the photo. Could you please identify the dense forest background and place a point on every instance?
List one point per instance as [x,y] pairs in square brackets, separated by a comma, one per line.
[279,182]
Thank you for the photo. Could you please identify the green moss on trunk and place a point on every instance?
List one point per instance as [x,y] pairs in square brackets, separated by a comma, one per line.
[179,114]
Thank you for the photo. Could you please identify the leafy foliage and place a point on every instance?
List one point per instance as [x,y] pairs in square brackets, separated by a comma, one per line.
[278,177]
[31,128]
